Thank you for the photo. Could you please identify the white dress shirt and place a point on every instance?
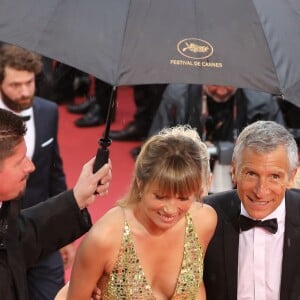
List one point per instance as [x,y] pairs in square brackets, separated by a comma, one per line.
[260,260]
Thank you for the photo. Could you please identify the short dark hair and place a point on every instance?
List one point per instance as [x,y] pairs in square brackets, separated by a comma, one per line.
[20,59]
[12,131]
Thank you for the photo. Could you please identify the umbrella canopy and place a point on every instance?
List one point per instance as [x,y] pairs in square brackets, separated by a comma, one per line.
[245,43]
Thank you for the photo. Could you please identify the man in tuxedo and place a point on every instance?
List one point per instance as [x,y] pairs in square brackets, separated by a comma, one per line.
[28,235]
[18,70]
[254,253]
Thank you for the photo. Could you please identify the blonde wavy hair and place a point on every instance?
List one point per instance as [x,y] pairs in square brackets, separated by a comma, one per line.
[175,160]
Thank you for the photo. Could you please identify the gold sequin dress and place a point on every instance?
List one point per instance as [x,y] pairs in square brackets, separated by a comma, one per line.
[127,280]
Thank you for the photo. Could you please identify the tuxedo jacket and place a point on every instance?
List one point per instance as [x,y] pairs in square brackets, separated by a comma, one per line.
[29,236]
[221,260]
[48,179]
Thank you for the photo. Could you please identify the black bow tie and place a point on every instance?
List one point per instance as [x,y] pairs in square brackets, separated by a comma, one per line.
[247,223]
[25,118]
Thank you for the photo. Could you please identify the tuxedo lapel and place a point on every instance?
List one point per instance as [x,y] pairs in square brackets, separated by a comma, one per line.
[291,260]
[37,120]
[231,258]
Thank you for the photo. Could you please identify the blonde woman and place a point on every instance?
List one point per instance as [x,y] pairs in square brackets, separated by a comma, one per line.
[152,244]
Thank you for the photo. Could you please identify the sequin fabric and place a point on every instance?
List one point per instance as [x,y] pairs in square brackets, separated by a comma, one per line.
[128,281]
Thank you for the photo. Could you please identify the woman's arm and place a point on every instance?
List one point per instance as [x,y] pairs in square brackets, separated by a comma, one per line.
[205,218]
[62,294]
[96,255]
[89,265]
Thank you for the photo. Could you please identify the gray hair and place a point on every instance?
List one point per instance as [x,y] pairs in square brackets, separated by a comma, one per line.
[264,137]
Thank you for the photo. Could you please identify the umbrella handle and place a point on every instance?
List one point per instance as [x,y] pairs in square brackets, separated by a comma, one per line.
[111,105]
[102,154]
[103,151]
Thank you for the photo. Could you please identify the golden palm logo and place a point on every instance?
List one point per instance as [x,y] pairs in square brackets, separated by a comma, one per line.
[195,48]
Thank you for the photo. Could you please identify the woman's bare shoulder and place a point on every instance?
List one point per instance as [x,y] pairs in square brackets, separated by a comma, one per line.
[205,222]
[199,208]
[113,217]
[106,229]
[204,216]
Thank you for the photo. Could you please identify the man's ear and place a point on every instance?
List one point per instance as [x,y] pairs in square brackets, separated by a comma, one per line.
[294,180]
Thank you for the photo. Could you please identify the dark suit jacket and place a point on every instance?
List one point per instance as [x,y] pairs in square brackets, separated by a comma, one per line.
[221,260]
[33,234]
[48,179]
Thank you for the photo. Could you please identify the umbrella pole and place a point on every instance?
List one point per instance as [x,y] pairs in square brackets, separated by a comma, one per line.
[104,142]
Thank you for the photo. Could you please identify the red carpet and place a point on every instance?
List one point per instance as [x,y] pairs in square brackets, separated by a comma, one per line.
[78,145]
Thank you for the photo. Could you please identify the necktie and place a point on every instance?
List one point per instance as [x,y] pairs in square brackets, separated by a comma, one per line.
[25,118]
[247,223]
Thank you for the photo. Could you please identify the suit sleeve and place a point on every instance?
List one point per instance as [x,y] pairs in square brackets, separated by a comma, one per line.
[51,225]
